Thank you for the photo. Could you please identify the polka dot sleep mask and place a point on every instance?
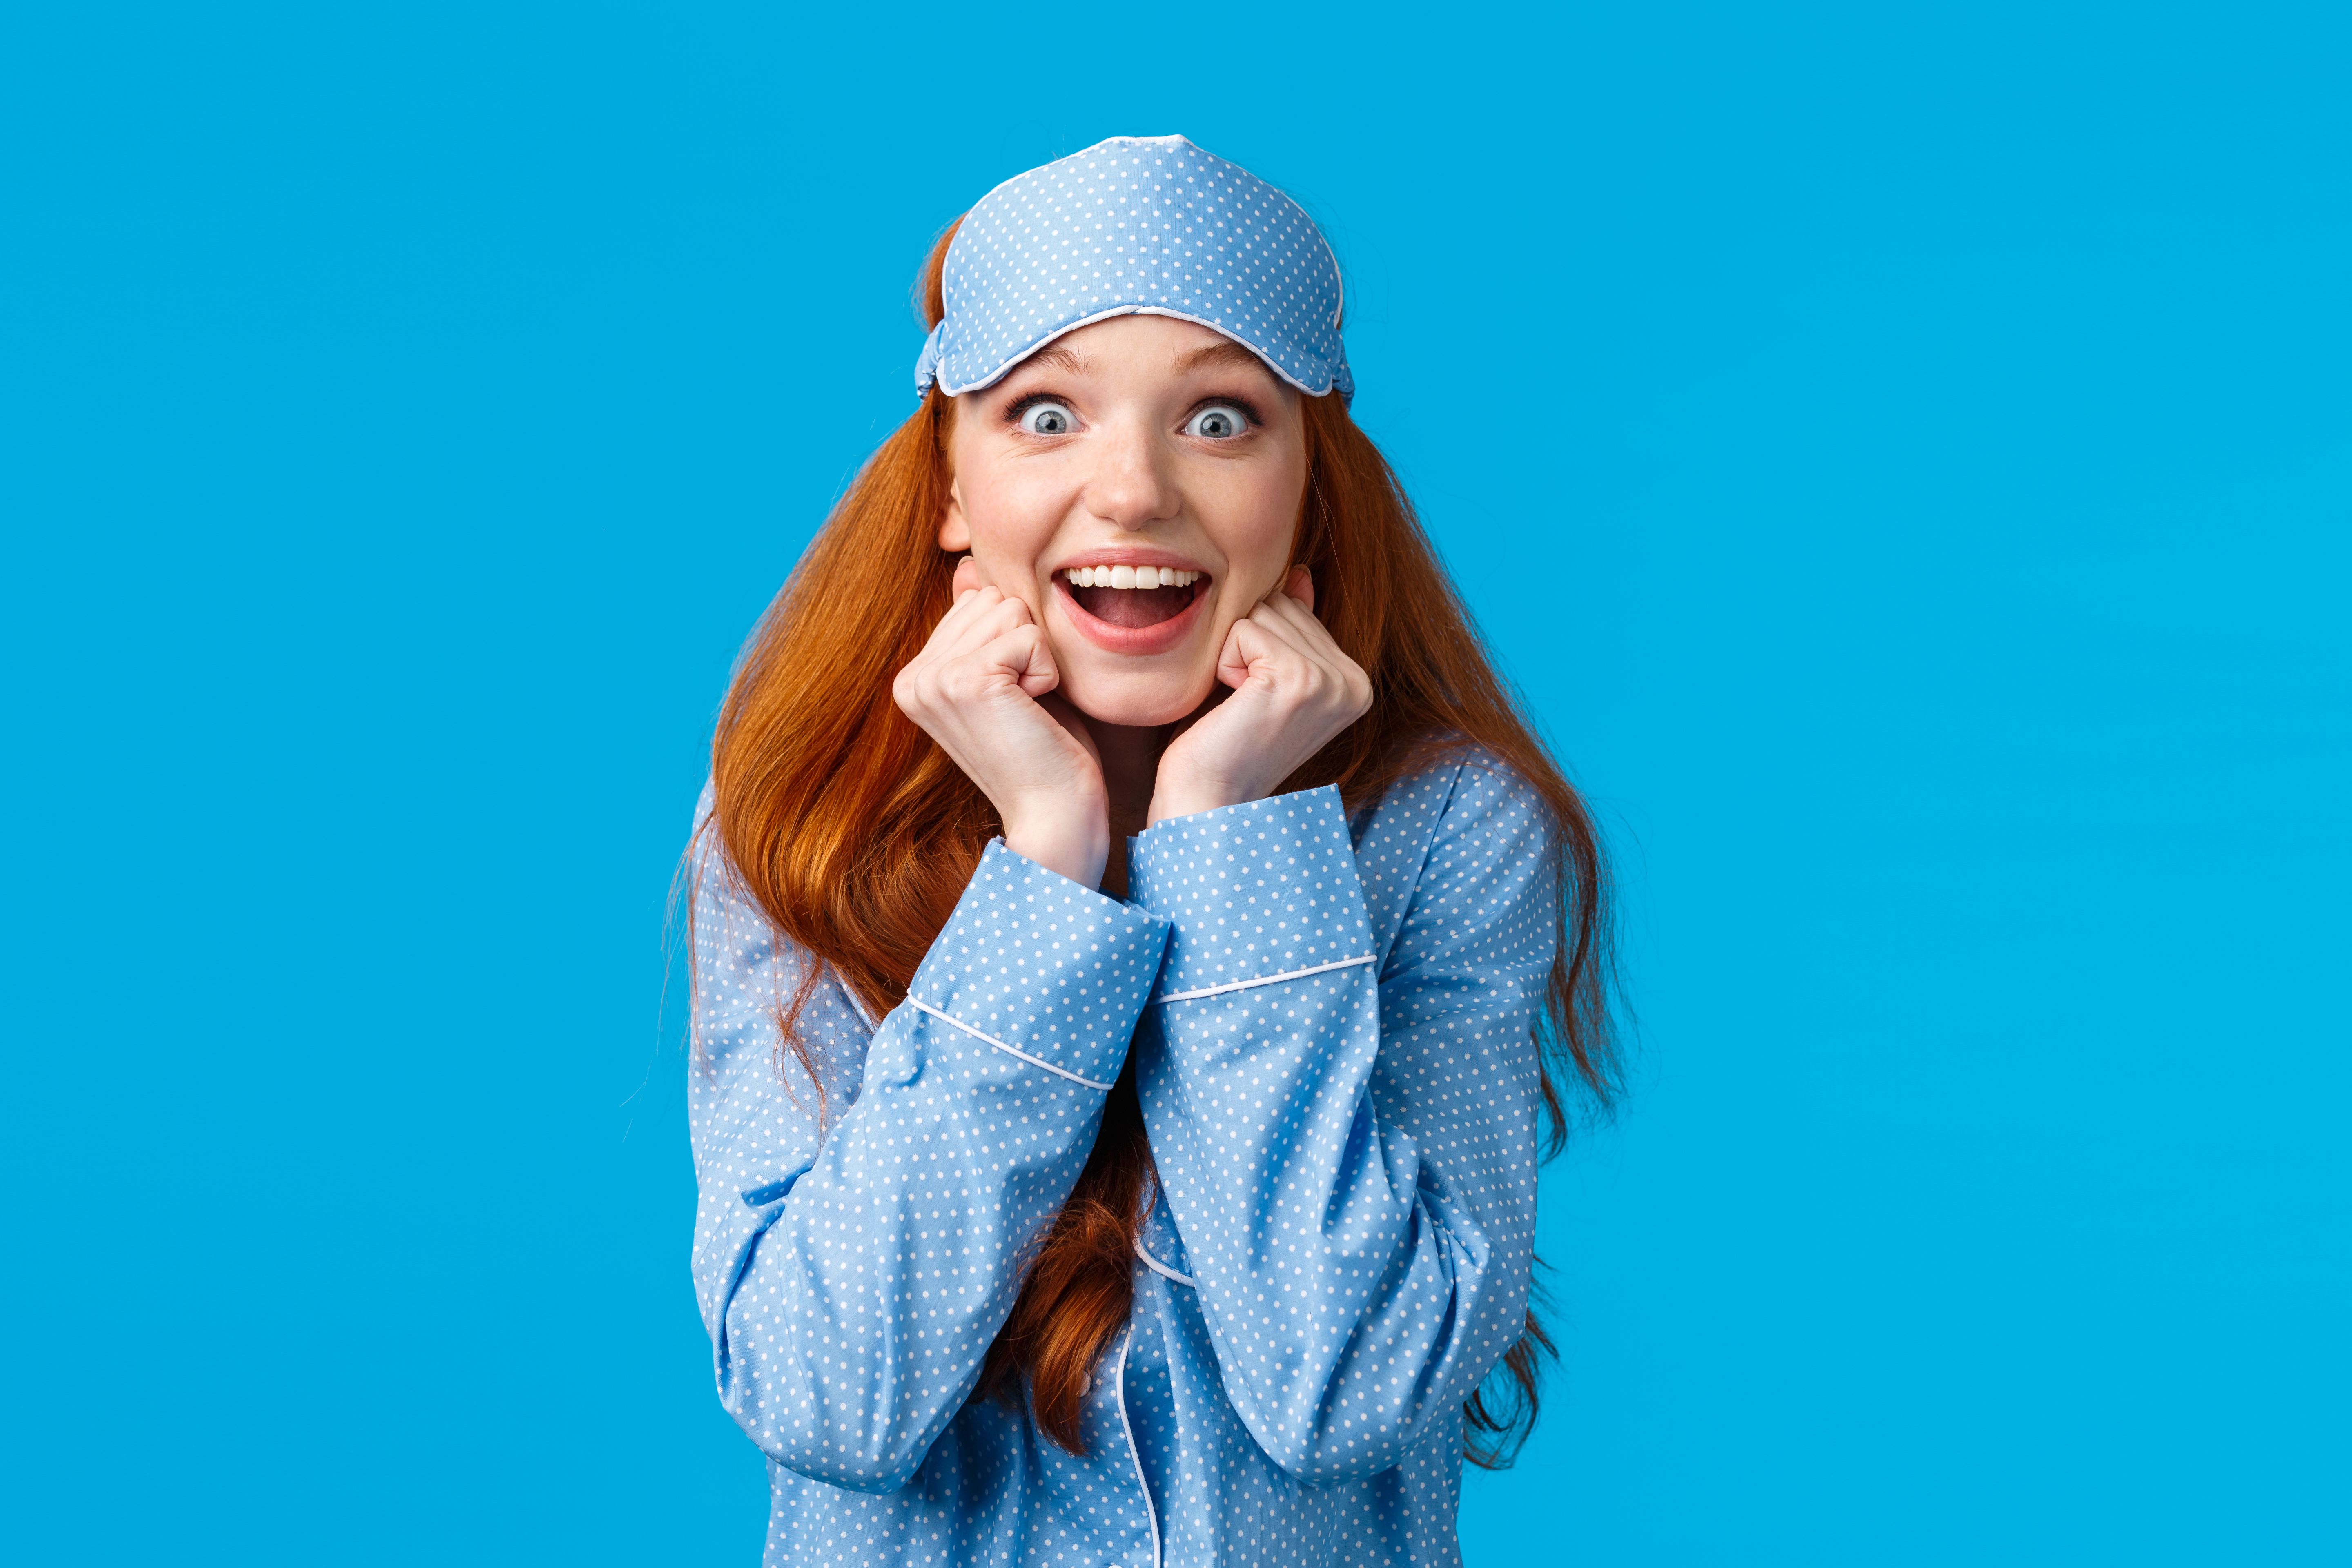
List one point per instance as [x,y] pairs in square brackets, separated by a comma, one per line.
[1137,226]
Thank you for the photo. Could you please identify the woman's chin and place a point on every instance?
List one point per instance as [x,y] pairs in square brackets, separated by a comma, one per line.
[1137,700]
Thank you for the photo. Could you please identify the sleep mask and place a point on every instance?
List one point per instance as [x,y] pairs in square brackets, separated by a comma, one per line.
[1137,226]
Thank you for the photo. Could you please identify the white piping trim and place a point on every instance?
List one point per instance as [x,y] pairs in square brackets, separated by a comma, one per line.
[1151,1514]
[1000,1045]
[1262,980]
[1000,372]
[855,1006]
[1161,1268]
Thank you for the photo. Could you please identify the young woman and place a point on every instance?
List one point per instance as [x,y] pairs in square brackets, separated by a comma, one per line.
[1138,944]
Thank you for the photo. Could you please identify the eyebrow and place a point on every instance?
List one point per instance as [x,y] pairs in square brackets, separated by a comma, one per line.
[1224,353]
[1058,356]
[1070,362]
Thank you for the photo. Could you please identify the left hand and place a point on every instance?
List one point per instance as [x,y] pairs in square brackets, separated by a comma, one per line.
[1293,692]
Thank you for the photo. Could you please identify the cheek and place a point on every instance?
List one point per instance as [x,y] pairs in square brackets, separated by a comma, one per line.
[1012,518]
[1256,524]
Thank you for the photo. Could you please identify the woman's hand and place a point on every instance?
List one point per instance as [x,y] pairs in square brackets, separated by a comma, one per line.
[1293,689]
[975,689]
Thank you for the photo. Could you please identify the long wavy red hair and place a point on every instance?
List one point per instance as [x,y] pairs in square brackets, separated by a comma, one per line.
[856,834]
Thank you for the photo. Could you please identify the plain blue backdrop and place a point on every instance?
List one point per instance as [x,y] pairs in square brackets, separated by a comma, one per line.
[1904,453]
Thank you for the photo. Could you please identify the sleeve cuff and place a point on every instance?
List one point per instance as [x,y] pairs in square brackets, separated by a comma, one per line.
[1252,891]
[1033,961]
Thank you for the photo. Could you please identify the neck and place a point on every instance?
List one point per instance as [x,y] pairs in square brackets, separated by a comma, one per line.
[1130,768]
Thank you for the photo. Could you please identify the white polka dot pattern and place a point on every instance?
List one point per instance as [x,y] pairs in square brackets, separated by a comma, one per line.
[1347,1161]
[1137,224]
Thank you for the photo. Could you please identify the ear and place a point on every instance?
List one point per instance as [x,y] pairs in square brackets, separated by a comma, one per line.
[955,534]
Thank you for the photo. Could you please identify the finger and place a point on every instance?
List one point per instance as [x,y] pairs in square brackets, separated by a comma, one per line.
[1300,627]
[960,609]
[1300,585]
[1002,615]
[1298,664]
[1287,624]
[1022,652]
[1254,648]
[1233,659]
[968,577]
[972,621]
[1290,610]
[987,614]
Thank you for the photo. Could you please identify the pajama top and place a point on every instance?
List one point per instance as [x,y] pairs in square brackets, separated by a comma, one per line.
[1332,1029]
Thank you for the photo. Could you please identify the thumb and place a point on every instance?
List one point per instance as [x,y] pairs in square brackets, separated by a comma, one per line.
[1245,646]
[1024,653]
[968,578]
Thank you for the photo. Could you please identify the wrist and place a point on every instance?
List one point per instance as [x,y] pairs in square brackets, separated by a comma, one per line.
[1068,837]
[1176,797]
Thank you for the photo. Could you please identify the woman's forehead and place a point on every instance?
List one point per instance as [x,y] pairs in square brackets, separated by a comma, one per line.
[1138,346]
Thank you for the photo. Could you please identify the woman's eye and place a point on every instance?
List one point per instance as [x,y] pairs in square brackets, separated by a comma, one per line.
[1048,419]
[1217,421]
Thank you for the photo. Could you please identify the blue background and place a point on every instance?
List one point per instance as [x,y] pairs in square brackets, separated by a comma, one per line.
[1907,458]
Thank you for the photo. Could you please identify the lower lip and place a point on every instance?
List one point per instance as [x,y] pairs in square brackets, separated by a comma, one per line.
[1130,640]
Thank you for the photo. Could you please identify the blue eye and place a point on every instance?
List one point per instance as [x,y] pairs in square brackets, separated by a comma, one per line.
[1048,419]
[1217,421]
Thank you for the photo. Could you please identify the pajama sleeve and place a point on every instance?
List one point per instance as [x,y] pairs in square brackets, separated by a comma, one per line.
[1348,1143]
[860,1237]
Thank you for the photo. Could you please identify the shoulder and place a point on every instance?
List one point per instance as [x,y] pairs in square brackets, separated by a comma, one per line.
[710,874]
[736,944]
[1459,828]
[728,929]
[1456,787]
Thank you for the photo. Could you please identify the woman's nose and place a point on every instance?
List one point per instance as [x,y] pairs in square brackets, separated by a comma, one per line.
[1130,485]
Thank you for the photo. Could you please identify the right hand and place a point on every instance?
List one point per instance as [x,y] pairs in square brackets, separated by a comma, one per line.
[975,689]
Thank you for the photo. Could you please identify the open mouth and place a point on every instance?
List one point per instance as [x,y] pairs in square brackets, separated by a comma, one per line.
[1134,597]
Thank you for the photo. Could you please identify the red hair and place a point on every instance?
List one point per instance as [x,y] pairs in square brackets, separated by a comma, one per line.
[856,834]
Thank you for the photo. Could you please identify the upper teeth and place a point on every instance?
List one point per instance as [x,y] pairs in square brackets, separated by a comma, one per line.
[1129,577]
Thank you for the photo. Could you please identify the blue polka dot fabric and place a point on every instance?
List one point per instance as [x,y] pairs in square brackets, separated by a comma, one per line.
[1330,1023]
[1137,224]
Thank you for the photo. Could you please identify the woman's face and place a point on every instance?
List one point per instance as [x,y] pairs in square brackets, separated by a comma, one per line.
[1141,445]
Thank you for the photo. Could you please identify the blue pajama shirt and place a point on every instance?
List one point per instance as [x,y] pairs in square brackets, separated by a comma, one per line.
[1332,1023]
